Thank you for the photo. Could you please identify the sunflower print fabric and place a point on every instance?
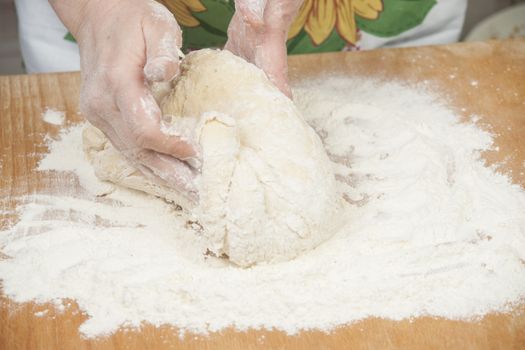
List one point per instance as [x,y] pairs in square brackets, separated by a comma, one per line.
[320,25]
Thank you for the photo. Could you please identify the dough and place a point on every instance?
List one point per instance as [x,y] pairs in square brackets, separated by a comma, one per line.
[267,191]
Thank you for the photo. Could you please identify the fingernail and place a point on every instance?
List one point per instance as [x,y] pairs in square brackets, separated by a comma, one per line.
[195,163]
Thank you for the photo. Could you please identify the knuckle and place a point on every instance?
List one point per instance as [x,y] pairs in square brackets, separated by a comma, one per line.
[143,155]
[144,136]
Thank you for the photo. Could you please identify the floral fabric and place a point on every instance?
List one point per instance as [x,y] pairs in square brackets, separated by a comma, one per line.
[320,25]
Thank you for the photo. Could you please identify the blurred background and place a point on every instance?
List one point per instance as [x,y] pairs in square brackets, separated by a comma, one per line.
[485,19]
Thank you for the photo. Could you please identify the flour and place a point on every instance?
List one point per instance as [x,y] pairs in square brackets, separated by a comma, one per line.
[431,231]
[52,116]
[41,313]
[256,7]
[66,156]
[160,12]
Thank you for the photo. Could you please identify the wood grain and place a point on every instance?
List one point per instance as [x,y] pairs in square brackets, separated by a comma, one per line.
[484,79]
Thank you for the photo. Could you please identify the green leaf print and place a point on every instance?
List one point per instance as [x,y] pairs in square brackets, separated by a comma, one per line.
[69,37]
[199,37]
[217,15]
[397,17]
[302,43]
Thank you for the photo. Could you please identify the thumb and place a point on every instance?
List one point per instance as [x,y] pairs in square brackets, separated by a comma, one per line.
[163,39]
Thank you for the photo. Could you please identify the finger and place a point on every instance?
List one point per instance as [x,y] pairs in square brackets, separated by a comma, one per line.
[272,59]
[113,137]
[238,38]
[251,12]
[278,17]
[279,14]
[173,172]
[141,121]
[163,39]
[170,171]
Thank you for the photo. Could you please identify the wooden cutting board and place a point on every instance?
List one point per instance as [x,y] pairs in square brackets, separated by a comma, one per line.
[486,79]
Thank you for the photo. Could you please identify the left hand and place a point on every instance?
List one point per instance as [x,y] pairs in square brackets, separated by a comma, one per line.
[258,32]
[124,47]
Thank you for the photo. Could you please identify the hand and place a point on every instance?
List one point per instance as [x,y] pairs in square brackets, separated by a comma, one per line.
[124,47]
[258,33]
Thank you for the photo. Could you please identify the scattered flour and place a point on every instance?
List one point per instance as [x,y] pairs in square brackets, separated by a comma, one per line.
[52,116]
[431,231]
[67,155]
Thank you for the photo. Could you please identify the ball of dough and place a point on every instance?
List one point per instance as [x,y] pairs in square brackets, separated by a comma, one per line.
[267,192]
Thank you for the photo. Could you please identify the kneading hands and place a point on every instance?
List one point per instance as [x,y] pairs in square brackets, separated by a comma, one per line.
[125,45]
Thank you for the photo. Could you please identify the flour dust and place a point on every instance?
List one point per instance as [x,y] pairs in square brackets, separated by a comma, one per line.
[54,117]
[430,230]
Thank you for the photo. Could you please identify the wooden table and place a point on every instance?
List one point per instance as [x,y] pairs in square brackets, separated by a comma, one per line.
[497,67]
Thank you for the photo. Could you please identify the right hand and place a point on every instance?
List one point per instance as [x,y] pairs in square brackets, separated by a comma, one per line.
[258,33]
[124,47]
